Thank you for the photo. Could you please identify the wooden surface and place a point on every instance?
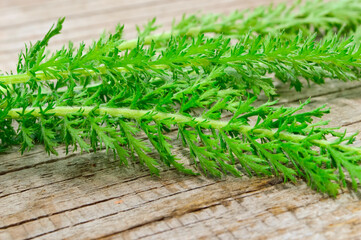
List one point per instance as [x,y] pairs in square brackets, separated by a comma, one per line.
[88,196]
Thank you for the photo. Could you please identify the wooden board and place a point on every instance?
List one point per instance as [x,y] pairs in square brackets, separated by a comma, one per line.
[88,196]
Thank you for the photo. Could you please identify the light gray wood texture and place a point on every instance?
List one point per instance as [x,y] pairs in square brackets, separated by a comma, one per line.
[88,196]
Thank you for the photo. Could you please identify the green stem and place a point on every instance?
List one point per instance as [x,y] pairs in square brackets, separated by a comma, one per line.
[40,76]
[194,31]
[130,44]
[179,119]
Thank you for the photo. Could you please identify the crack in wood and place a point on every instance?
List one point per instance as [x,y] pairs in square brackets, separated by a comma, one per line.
[38,164]
[187,209]
[101,201]
[112,214]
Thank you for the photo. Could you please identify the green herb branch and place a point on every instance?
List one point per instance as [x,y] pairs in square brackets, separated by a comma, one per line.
[251,60]
[279,143]
[321,17]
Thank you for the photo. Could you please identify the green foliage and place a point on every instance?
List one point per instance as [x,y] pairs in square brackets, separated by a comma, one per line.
[317,16]
[280,142]
[114,93]
[243,66]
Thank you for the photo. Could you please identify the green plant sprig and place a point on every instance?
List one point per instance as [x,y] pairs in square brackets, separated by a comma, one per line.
[279,143]
[248,62]
[320,17]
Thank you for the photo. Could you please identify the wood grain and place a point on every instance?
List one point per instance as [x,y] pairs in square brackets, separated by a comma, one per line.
[89,196]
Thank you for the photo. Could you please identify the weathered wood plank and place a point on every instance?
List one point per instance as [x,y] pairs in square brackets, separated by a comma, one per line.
[85,196]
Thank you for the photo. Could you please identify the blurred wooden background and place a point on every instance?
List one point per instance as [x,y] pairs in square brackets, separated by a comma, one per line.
[88,196]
